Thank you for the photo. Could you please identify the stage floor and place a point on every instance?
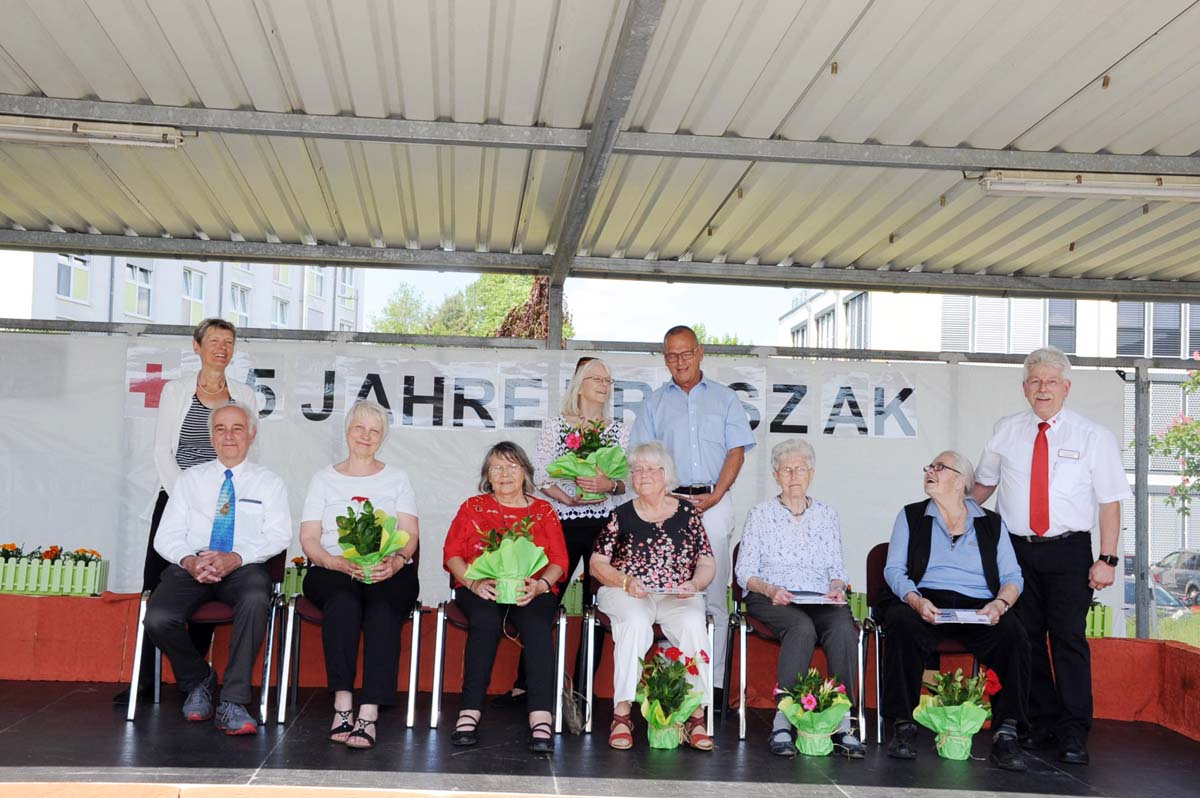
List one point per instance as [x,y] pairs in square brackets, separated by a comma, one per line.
[64,732]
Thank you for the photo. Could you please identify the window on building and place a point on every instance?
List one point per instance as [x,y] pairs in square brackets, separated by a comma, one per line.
[192,302]
[279,314]
[1166,329]
[345,326]
[858,322]
[239,305]
[316,320]
[1060,324]
[316,280]
[73,274]
[282,274]
[990,325]
[1131,329]
[137,290]
[1193,330]
[346,292]
[825,330]
[956,324]
[800,336]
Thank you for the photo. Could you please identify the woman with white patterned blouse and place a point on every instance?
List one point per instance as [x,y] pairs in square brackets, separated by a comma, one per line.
[791,549]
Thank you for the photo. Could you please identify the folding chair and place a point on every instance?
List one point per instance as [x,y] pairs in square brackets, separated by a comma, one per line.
[308,611]
[747,624]
[593,617]
[217,613]
[876,560]
[450,612]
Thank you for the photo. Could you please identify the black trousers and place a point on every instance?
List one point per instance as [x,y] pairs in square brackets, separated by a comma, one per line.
[909,641]
[580,535]
[247,590]
[535,626]
[377,612]
[153,566]
[1054,606]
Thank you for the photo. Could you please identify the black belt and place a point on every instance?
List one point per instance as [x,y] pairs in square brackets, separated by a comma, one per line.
[693,490]
[1052,538]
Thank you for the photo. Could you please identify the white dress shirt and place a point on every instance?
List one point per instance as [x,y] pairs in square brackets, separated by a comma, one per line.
[262,522]
[1085,470]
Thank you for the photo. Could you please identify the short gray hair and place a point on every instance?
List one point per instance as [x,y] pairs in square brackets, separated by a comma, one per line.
[249,412]
[655,453]
[1049,356]
[793,446]
[962,465]
[370,407]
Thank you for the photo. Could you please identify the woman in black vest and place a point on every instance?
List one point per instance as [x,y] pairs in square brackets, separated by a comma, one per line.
[948,553]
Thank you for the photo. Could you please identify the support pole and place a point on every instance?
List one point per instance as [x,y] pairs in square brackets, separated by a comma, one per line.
[1141,498]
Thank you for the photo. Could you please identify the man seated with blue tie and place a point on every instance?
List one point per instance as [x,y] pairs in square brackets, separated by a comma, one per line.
[224,520]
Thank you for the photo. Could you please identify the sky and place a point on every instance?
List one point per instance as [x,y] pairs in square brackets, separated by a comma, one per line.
[622,310]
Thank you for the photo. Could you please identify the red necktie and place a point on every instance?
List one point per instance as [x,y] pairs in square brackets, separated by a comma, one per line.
[1039,483]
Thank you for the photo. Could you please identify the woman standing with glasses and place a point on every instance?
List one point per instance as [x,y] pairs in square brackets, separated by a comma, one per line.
[588,401]
[790,558]
[506,488]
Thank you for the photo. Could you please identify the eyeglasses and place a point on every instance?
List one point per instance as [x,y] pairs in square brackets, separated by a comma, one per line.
[505,468]
[1038,385]
[680,357]
[798,471]
[606,381]
[646,471]
[939,467]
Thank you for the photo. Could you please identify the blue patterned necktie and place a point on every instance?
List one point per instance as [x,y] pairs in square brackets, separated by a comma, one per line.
[222,531]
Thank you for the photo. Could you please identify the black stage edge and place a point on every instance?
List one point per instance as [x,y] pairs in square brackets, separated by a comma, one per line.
[55,731]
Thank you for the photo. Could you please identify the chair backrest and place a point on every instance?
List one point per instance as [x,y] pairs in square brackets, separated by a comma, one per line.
[276,566]
[876,559]
[738,595]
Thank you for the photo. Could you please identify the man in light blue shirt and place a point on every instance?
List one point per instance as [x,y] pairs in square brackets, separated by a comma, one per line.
[705,428]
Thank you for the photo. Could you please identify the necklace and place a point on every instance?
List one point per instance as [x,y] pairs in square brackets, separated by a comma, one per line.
[807,504]
[212,391]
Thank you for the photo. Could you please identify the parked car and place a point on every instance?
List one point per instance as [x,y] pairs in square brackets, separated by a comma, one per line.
[1179,573]
[1166,605]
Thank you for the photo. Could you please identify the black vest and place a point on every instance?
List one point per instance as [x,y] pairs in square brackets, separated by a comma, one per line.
[920,540]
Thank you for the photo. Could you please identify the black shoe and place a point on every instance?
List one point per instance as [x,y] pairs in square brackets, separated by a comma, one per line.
[1037,739]
[781,743]
[465,731]
[718,698]
[1073,749]
[904,739]
[539,744]
[849,746]
[510,699]
[1006,753]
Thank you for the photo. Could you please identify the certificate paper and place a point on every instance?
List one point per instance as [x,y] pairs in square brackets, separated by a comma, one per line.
[961,616]
[811,598]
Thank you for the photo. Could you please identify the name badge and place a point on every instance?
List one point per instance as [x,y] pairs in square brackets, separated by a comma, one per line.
[1070,454]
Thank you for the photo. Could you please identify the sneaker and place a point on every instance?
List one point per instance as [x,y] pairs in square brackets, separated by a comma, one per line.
[198,706]
[1006,753]
[904,739]
[849,746]
[234,719]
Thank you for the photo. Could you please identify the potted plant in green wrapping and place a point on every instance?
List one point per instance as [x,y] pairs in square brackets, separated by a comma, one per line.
[666,695]
[955,710]
[815,706]
[368,535]
[588,457]
[510,557]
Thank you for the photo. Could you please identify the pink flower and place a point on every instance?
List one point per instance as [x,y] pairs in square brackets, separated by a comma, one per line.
[1186,419]
[1173,492]
[841,688]
[1196,355]
[573,441]
[809,702]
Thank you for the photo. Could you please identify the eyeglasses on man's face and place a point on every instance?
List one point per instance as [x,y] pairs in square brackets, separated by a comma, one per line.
[939,468]
[681,357]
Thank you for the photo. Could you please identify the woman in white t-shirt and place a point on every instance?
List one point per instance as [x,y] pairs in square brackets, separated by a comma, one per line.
[377,609]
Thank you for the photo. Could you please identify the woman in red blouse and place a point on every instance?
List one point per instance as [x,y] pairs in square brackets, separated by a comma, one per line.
[653,561]
[506,485]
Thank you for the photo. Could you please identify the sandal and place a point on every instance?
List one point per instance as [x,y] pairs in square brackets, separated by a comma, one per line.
[360,733]
[781,743]
[465,731]
[539,744]
[340,732]
[696,735]
[621,740]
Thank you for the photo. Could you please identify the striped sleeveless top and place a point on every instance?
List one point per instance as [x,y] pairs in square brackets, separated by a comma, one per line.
[195,444]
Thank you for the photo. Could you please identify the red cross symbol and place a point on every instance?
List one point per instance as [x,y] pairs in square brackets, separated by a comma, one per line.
[151,386]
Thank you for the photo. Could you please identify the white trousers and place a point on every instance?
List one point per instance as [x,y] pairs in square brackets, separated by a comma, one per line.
[718,524]
[682,621]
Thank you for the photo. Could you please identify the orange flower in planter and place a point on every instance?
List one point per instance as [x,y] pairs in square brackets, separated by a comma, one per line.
[298,562]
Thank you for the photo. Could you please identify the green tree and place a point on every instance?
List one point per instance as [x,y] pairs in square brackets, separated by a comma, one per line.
[405,313]
[705,337]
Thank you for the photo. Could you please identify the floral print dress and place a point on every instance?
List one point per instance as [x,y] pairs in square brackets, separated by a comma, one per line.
[661,555]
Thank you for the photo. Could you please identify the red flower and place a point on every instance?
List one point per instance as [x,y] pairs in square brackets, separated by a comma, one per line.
[704,657]
[359,499]
[673,654]
[992,684]
[692,669]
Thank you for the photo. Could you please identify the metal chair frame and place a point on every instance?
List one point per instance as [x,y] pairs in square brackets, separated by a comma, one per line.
[275,566]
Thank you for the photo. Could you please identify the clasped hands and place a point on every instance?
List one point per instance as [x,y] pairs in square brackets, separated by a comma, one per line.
[486,589]
[209,567]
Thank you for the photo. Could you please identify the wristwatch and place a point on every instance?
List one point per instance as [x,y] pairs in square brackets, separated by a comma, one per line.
[616,484]
[1108,559]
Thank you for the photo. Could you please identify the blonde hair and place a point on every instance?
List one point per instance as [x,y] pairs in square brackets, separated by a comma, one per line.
[570,402]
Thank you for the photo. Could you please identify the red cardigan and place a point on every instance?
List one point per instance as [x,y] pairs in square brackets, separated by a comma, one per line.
[483,512]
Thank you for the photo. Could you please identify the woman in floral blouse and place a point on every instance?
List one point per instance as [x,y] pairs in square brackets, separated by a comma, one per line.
[654,561]
[791,551]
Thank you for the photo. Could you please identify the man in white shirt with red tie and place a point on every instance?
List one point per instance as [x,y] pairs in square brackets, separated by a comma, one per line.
[224,520]
[1056,471]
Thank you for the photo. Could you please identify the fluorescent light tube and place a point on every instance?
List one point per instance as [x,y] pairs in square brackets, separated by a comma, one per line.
[67,132]
[1090,186]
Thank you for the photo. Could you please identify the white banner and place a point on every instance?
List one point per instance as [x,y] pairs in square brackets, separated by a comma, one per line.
[77,418]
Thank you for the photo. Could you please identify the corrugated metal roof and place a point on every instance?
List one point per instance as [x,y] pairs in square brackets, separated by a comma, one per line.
[1074,75]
